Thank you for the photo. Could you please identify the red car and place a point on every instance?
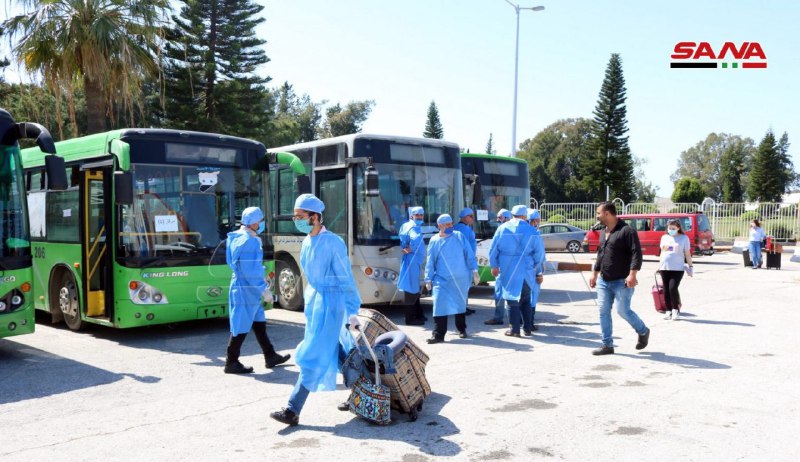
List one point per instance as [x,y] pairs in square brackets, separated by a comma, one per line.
[651,226]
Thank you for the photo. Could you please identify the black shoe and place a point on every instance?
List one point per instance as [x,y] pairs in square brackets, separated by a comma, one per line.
[286,416]
[435,339]
[605,350]
[274,359]
[415,322]
[534,328]
[462,334]
[237,368]
[345,406]
[528,333]
[511,334]
[643,339]
[470,311]
[493,322]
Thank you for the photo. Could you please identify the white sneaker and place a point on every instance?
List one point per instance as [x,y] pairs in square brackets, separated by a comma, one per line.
[669,315]
[676,315]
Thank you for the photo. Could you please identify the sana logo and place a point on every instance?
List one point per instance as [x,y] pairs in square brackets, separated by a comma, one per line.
[702,55]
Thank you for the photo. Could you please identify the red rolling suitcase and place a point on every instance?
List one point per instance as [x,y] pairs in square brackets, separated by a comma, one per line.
[658,295]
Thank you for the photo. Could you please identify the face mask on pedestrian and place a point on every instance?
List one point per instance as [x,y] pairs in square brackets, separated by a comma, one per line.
[672,231]
[418,222]
[449,231]
[261,227]
[303,225]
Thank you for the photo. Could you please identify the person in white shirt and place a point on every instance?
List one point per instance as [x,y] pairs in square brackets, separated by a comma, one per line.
[676,257]
[757,235]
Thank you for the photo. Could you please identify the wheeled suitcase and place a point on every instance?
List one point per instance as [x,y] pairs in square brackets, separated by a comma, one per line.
[746,255]
[658,295]
[774,260]
[409,386]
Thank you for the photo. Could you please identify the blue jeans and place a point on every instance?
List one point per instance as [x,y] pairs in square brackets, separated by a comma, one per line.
[300,393]
[499,304]
[755,253]
[615,293]
[521,307]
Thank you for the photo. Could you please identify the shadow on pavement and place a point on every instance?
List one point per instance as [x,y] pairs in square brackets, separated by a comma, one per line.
[428,433]
[30,373]
[689,363]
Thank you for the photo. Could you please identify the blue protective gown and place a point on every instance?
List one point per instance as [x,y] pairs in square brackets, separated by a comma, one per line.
[246,258]
[468,233]
[411,265]
[536,287]
[449,268]
[331,297]
[516,252]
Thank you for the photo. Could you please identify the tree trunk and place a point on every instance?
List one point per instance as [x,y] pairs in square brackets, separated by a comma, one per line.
[95,106]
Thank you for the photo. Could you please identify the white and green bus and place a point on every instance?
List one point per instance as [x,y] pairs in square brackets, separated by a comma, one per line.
[138,237]
[503,183]
[367,183]
[16,275]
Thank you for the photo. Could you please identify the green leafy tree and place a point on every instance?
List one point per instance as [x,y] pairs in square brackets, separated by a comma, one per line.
[771,173]
[790,177]
[433,126]
[688,190]
[296,119]
[108,47]
[348,119]
[610,163]
[213,55]
[555,156]
[644,191]
[704,161]
[733,166]
[490,146]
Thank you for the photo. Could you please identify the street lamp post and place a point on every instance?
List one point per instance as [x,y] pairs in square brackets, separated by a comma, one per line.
[516,74]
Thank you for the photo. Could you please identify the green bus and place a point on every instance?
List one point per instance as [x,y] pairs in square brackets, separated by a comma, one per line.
[16,288]
[138,236]
[492,183]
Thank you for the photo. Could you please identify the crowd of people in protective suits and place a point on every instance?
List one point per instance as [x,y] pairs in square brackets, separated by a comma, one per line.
[447,267]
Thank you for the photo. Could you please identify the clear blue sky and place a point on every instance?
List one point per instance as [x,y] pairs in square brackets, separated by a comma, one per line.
[460,53]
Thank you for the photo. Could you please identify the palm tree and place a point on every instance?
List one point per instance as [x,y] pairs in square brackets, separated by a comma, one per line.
[110,46]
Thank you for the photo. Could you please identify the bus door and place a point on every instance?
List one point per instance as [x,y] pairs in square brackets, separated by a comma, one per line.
[96,220]
[331,187]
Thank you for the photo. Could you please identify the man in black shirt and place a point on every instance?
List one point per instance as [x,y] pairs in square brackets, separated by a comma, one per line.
[618,261]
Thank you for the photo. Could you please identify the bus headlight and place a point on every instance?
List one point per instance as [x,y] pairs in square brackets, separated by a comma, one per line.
[16,300]
[145,294]
[2,306]
[381,274]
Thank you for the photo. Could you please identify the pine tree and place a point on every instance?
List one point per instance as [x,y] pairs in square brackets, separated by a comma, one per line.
[433,126]
[766,182]
[789,177]
[610,163]
[212,56]
[733,164]
[490,146]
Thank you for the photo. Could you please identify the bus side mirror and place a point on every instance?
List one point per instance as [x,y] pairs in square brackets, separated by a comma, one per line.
[303,183]
[371,181]
[123,188]
[56,172]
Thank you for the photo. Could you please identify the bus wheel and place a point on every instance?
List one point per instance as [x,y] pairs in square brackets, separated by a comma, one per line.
[574,246]
[67,300]
[290,285]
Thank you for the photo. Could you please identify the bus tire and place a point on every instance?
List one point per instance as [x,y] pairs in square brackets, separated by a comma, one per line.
[64,295]
[289,285]
[574,247]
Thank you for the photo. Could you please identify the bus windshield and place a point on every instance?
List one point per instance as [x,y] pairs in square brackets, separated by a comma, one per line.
[14,225]
[182,210]
[504,184]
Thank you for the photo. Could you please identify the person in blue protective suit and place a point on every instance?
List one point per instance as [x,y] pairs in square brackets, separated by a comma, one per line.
[513,256]
[412,245]
[503,215]
[464,226]
[331,297]
[450,268]
[246,258]
[534,218]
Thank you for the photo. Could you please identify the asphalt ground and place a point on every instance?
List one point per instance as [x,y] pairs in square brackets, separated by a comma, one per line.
[718,385]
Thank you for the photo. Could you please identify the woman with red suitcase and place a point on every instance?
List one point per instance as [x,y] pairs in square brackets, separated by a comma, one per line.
[676,257]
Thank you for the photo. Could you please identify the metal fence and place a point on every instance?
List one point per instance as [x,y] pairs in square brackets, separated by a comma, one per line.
[728,220]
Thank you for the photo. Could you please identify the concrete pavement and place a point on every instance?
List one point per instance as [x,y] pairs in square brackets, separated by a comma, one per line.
[720,384]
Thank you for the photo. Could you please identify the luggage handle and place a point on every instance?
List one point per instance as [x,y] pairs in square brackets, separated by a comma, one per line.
[356,324]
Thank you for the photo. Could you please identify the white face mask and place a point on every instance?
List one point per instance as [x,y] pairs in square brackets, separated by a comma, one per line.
[672,231]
